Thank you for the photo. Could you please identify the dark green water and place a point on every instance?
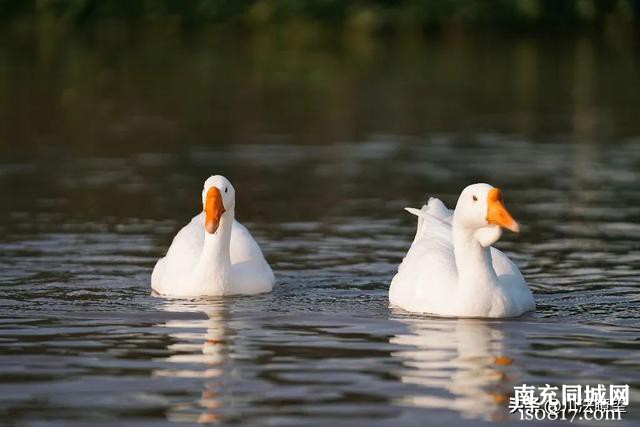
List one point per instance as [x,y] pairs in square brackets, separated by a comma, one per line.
[104,146]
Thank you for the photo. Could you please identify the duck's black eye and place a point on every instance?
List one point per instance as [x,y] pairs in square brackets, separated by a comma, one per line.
[475,199]
[226,189]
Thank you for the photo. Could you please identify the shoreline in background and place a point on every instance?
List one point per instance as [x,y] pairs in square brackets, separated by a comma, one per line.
[372,17]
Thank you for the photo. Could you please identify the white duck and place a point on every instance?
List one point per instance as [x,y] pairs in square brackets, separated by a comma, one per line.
[214,254]
[451,268]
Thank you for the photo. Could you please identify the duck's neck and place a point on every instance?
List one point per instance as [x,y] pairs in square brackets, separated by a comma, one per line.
[214,265]
[473,261]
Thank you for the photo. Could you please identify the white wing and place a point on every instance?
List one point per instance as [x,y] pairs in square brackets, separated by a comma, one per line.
[423,278]
[182,255]
[250,271]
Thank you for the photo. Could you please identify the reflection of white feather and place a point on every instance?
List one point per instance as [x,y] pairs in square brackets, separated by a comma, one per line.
[458,356]
[198,350]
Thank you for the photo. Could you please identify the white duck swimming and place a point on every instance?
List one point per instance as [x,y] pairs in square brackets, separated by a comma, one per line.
[451,268]
[214,254]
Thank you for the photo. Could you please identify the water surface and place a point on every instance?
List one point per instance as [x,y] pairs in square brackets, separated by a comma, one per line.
[103,156]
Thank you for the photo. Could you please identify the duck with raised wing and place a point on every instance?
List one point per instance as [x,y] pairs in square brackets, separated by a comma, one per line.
[213,254]
[451,268]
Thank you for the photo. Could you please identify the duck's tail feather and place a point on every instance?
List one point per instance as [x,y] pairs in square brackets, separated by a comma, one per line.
[434,209]
[420,214]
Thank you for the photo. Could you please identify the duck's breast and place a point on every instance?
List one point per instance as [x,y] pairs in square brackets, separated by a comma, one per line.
[513,296]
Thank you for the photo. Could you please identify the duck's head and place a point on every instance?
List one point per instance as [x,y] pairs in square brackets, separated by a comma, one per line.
[218,197]
[480,209]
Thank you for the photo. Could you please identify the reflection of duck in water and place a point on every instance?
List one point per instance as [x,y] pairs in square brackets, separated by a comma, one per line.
[198,355]
[460,364]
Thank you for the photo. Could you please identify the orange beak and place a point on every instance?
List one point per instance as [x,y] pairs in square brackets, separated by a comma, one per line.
[497,214]
[213,210]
